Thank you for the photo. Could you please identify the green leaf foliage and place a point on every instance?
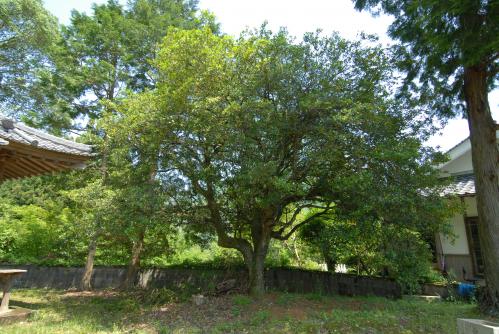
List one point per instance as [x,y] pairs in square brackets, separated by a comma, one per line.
[27,33]
[255,130]
[373,248]
[437,40]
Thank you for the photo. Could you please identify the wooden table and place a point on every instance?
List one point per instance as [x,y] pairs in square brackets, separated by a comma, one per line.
[6,278]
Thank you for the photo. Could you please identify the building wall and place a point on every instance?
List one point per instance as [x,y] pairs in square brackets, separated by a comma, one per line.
[470,206]
[460,165]
[457,242]
[453,252]
[455,248]
[459,266]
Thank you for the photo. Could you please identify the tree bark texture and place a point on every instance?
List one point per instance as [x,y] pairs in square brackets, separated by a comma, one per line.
[134,265]
[485,156]
[86,280]
[256,268]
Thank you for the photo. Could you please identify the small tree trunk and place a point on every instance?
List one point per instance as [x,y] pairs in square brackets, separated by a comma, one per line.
[485,158]
[134,265]
[86,280]
[297,254]
[330,264]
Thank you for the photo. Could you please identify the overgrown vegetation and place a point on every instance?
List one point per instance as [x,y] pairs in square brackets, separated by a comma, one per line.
[168,312]
[373,249]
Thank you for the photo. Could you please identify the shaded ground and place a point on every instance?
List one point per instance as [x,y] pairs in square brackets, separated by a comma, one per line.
[163,311]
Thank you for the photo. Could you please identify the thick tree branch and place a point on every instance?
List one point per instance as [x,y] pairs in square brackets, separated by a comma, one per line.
[224,240]
[279,234]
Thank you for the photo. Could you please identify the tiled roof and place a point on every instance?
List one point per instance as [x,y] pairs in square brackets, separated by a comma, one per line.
[12,131]
[461,185]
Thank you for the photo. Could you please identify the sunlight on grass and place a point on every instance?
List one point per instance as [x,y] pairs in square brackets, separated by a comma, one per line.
[113,312]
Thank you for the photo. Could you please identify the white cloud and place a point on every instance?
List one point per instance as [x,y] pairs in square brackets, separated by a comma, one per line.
[297,15]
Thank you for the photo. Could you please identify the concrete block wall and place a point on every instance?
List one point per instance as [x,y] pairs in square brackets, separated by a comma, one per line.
[276,279]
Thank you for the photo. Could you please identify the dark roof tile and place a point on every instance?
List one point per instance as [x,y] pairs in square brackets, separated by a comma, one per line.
[11,131]
[461,185]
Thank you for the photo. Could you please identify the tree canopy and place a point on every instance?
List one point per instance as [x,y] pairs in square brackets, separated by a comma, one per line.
[257,130]
[27,32]
[437,40]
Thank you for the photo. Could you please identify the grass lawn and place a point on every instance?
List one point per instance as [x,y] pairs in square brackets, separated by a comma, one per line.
[162,311]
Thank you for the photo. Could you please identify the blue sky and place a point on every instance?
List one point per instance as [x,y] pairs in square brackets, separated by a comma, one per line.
[298,17]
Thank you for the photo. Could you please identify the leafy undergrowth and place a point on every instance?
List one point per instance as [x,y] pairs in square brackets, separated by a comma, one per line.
[165,312]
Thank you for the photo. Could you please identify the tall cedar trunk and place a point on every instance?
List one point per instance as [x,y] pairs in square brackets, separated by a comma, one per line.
[134,265]
[485,158]
[86,280]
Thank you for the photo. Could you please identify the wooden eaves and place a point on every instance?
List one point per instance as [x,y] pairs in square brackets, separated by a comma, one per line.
[25,151]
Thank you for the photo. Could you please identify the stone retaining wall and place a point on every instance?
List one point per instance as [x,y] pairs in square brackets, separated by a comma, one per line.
[278,279]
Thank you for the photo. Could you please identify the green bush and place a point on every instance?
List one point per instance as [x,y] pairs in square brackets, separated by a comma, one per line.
[373,248]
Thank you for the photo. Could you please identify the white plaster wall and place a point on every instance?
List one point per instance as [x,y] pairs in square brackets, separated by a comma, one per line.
[459,165]
[459,244]
[470,205]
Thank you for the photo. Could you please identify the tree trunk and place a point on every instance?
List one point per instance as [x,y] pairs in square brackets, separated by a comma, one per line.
[330,264]
[485,158]
[256,270]
[86,280]
[134,265]
[138,245]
